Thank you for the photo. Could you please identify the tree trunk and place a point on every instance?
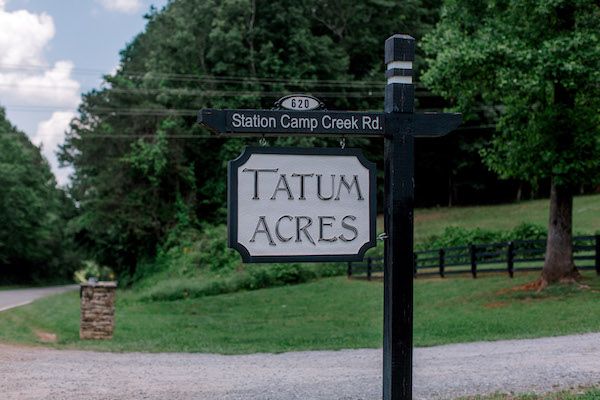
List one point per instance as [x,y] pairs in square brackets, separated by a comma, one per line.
[558,263]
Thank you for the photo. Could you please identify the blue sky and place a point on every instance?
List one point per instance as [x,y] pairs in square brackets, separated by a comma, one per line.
[51,51]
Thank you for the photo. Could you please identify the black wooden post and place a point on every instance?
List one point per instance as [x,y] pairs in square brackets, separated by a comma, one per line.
[399,197]
[442,262]
[598,254]
[349,269]
[369,268]
[473,253]
[510,259]
[415,264]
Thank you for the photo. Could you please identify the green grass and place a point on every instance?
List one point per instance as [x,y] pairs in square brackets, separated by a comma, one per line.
[332,313]
[432,221]
[582,394]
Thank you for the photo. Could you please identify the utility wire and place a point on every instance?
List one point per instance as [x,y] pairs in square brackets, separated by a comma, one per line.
[13,135]
[148,75]
[224,93]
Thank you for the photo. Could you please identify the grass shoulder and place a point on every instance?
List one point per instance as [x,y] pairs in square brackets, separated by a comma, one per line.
[580,394]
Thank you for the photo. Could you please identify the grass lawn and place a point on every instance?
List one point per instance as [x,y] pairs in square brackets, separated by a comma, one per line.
[432,221]
[332,313]
[583,394]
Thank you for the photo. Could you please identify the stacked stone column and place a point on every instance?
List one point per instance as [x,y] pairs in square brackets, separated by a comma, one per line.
[97,310]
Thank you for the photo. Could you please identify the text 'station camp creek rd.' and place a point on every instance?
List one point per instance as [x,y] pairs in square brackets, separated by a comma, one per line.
[269,122]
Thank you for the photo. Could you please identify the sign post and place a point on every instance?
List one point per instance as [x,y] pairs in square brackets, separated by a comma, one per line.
[338,229]
[398,222]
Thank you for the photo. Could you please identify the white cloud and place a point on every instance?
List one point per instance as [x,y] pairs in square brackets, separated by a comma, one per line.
[23,36]
[27,79]
[52,87]
[124,6]
[49,135]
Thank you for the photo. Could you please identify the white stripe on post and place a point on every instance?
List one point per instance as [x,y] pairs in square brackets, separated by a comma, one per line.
[399,79]
[400,65]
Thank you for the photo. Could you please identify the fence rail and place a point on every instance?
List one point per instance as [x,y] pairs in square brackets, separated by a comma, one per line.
[509,257]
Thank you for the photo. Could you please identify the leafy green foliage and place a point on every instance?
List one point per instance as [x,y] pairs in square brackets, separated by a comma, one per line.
[193,263]
[250,278]
[458,236]
[33,242]
[537,61]
[139,154]
[92,270]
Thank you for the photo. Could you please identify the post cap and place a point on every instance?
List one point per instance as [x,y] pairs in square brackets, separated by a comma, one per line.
[399,48]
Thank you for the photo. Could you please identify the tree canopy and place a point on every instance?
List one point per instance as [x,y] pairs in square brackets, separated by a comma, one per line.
[536,62]
[143,165]
[33,243]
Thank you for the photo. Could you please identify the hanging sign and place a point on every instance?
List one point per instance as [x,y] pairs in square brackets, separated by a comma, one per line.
[301,204]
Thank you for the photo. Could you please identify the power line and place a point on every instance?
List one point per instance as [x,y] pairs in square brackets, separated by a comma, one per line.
[113,111]
[13,135]
[220,93]
[197,137]
[148,75]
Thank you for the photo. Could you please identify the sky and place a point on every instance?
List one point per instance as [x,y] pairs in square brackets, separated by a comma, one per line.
[52,51]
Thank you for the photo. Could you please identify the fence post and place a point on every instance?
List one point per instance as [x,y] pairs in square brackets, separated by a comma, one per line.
[442,261]
[349,269]
[369,268]
[415,264]
[510,258]
[598,254]
[473,251]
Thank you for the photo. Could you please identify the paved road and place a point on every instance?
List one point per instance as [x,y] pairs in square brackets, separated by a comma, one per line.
[19,297]
[442,372]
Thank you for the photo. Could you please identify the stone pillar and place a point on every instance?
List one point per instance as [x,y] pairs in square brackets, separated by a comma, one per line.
[97,310]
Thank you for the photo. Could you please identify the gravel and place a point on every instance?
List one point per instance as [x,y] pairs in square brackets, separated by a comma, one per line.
[441,372]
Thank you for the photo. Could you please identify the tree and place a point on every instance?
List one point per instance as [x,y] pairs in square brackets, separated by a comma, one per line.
[33,243]
[538,60]
[139,155]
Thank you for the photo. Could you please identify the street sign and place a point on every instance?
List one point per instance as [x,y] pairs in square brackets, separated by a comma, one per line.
[301,204]
[277,122]
[324,123]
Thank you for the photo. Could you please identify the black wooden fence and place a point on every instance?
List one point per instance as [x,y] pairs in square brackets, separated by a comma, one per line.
[519,255]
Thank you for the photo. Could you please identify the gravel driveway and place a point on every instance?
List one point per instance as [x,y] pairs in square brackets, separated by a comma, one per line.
[442,372]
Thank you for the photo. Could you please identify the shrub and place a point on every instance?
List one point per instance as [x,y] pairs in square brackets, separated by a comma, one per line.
[213,252]
[456,236]
[186,252]
[92,270]
[526,231]
[252,278]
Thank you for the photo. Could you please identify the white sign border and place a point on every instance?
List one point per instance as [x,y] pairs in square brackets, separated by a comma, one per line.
[232,205]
